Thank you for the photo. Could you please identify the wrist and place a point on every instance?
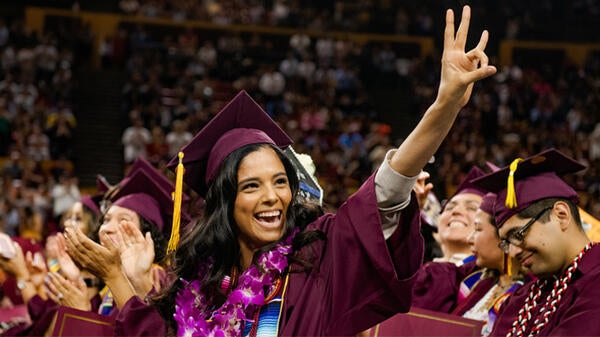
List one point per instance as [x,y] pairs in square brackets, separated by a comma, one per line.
[22,283]
[446,105]
[23,276]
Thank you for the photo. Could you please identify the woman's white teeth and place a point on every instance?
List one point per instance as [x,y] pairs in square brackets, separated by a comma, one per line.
[456,223]
[268,214]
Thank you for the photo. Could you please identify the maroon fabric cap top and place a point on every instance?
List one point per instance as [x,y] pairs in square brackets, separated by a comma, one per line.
[241,122]
[487,203]
[91,202]
[158,178]
[535,178]
[466,186]
[141,194]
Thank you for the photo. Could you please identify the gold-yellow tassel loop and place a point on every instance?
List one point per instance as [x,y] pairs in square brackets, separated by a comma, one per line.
[511,195]
[508,265]
[177,197]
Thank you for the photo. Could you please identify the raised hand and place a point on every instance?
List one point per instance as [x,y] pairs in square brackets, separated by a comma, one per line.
[422,188]
[137,254]
[461,69]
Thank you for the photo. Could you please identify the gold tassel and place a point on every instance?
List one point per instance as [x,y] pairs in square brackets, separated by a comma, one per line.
[508,265]
[511,195]
[174,240]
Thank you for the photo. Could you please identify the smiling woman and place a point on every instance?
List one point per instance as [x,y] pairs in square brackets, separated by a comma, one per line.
[455,221]
[262,201]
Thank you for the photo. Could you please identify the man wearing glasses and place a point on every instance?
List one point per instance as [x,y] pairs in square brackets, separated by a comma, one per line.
[539,225]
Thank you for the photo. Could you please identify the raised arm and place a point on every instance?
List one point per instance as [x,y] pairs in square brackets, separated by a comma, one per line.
[460,70]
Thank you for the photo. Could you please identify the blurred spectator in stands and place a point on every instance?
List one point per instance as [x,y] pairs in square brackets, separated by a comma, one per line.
[105,50]
[38,144]
[324,47]
[9,58]
[134,139]
[188,42]
[272,85]
[62,79]
[5,132]
[120,46]
[13,168]
[10,216]
[157,151]
[207,54]
[384,60]
[352,142]
[178,137]
[289,66]
[31,224]
[60,132]
[129,6]
[46,55]
[595,143]
[65,193]
[280,13]
[4,33]
[25,94]
[33,175]
[300,43]
[306,72]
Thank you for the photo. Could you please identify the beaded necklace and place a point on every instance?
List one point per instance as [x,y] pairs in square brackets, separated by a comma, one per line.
[550,305]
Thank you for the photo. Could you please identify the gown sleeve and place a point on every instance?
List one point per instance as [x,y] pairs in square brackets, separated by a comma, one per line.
[137,318]
[359,278]
[437,285]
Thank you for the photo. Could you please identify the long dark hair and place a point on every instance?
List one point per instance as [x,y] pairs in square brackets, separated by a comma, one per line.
[214,238]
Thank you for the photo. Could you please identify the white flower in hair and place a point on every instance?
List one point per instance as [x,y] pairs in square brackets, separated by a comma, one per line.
[307,162]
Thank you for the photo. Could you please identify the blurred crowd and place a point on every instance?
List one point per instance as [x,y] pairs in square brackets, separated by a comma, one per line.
[514,19]
[317,90]
[37,126]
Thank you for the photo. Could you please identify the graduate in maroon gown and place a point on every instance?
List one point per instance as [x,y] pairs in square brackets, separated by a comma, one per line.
[132,237]
[438,283]
[540,227]
[500,274]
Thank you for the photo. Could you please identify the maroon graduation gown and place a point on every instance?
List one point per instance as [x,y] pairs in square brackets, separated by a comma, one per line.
[578,311]
[359,279]
[42,313]
[437,284]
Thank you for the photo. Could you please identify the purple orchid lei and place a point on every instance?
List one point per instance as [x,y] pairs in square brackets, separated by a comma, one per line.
[191,305]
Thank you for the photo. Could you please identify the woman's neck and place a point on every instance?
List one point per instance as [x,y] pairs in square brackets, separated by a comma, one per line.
[451,249]
[246,256]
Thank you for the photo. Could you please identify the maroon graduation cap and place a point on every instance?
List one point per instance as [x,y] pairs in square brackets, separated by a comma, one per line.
[241,122]
[466,185]
[529,180]
[144,165]
[142,194]
[487,203]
